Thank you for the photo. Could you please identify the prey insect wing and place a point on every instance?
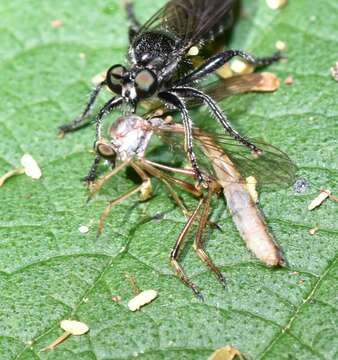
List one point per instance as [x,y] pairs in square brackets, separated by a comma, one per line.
[272,168]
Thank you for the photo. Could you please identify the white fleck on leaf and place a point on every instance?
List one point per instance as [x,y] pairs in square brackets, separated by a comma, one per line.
[143,298]
[83,229]
[74,327]
[323,195]
[276,4]
[31,167]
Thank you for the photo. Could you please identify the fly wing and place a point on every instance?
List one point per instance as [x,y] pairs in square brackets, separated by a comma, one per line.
[189,21]
[272,168]
[222,88]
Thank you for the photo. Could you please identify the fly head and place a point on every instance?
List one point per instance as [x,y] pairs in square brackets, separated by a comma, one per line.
[133,85]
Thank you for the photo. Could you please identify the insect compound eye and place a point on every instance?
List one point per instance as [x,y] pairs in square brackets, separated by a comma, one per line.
[114,78]
[145,82]
[105,149]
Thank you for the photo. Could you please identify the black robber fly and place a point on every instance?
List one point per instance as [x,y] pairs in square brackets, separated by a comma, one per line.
[160,66]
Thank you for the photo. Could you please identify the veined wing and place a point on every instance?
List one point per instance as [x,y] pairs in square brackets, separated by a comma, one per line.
[272,168]
[222,88]
[189,21]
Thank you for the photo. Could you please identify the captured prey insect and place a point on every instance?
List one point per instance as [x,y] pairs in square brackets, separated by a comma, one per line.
[161,67]
[224,164]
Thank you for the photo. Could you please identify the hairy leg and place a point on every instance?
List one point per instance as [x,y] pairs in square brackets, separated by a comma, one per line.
[81,120]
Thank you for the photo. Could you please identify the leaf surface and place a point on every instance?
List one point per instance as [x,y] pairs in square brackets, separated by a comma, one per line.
[49,271]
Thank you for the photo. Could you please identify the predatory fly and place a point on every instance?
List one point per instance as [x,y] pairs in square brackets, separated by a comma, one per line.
[160,67]
[224,164]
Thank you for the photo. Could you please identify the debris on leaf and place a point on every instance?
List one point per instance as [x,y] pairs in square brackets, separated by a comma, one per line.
[241,67]
[70,327]
[226,353]
[314,230]
[143,298]
[334,72]
[74,327]
[83,229]
[276,4]
[280,45]
[225,71]
[10,174]
[56,23]
[323,195]
[288,80]
[31,167]
[115,298]
[132,282]
[251,183]
[300,186]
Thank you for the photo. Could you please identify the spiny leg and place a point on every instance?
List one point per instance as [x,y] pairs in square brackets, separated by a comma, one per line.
[88,179]
[175,252]
[218,60]
[133,25]
[107,108]
[187,123]
[80,121]
[198,243]
[217,113]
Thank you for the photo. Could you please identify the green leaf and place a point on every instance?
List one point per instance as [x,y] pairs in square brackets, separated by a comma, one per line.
[49,271]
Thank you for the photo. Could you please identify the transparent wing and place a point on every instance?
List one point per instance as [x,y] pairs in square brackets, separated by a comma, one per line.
[222,88]
[189,20]
[272,168]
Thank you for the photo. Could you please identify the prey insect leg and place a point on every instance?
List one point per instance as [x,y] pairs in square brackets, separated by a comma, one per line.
[220,59]
[217,113]
[114,202]
[187,123]
[175,252]
[133,24]
[198,243]
[81,120]
[142,188]
[97,185]
[152,168]
[166,179]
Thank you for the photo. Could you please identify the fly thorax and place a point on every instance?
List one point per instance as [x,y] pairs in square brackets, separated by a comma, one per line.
[150,46]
